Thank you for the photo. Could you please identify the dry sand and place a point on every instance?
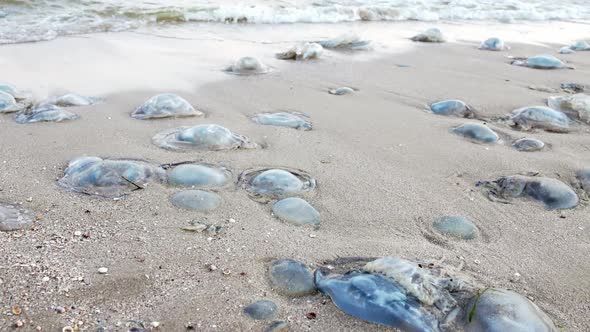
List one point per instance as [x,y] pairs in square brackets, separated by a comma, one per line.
[385,168]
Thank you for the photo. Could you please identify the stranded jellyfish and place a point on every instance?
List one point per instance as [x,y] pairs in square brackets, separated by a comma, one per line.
[276,182]
[493,44]
[261,310]
[477,132]
[347,42]
[452,107]
[202,137]
[306,51]
[109,177]
[541,117]
[291,278]
[580,46]
[165,105]
[73,99]
[344,90]
[247,66]
[45,113]
[199,176]
[432,35]
[576,106]
[552,193]
[456,226]
[12,218]
[416,297]
[527,144]
[283,119]
[8,104]
[296,211]
[541,62]
[198,200]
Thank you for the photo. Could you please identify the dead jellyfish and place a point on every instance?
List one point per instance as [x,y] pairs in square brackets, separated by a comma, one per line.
[109,177]
[199,176]
[283,119]
[12,218]
[13,91]
[497,310]
[165,105]
[580,46]
[432,35]
[583,177]
[541,62]
[566,50]
[347,42]
[202,137]
[296,211]
[493,44]
[198,200]
[8,104]
[572,87]
[306,51]
[477,132]
[291,278]
[247,66]
[261,310]
[276,183]
[552,193]
[528,144]
[341,91]
[73,99]
[540,117]
[395,292]
[452,107]
[456,226]
[45,113]
[577,106]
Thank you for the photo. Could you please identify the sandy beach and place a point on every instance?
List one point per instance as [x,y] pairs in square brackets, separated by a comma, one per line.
[385,168]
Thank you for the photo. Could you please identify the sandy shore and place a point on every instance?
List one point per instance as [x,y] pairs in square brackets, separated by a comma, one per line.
[385,168]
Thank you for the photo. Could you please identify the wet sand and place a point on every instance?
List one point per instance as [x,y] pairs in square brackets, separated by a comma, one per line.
[385,169]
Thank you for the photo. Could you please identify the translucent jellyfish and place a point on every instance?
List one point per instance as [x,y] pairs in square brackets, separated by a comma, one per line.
[199,176]
[8,104]
[541,117]
[477,132]
[347,41]
[305,51]
[552,193]
[291,278]
[202,137]
[247,66]
[12,218]
[296,211]
[399,293]
[497,310]
[452,107]
[277,326]
[165,105]
[493,44]
[566,50]
[456,226]
[528,144]
[341,91]
[45,113]
[199,200]
[283,119]
[109,177]
[276,183]
[576,106]
[261,310]
[541,62]
[73,99]
[13,91]
[432,35]
[580,46]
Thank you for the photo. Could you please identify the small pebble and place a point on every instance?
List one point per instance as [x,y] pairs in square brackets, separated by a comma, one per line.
[77,233]
[515,277]
[45,279]
[30,199]
[19,323]
[60,310]
[212,267]
[103,270]
[155,325]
